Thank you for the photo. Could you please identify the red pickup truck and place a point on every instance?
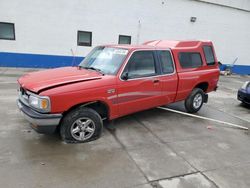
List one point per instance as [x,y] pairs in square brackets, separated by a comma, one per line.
[117,80]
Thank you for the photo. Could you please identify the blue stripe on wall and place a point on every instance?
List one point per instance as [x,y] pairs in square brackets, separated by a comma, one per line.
[241,69]
[37,60]
[238,69]
[50,61]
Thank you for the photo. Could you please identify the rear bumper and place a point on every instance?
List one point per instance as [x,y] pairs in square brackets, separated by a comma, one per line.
[243,96]
[42,123]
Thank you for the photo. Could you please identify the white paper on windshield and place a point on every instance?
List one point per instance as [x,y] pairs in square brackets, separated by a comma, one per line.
[120,51]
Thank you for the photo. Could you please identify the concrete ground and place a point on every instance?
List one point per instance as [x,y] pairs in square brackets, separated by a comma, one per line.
[154,148]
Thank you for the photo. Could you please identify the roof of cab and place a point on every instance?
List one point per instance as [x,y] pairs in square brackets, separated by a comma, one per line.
[172,44]
[176,43]
[129,47]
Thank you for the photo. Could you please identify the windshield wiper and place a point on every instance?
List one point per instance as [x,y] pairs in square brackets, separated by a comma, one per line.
[93,68]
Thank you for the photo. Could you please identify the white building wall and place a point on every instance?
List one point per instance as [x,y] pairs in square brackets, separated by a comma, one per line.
[50,27]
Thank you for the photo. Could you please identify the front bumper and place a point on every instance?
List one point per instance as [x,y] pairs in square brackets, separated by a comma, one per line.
[243,96]
[42,123]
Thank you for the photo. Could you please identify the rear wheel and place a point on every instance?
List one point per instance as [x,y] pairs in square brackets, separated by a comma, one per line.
[81,125]
[195,100]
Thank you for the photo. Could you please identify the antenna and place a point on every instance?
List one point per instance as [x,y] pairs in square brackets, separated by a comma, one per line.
[138,32]
[73,60]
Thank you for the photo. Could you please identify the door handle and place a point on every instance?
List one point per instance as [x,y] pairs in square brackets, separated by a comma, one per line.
[156,81]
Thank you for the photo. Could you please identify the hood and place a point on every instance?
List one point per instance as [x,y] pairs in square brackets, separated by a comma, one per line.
[42,80]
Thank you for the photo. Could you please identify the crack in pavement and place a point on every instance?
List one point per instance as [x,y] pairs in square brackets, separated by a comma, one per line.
[112,131]
[182,175]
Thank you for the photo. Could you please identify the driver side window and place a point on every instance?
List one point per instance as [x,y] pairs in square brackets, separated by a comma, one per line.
[141,64]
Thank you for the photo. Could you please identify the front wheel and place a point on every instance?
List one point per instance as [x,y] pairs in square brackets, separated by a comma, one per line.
[195,100]
[81,125]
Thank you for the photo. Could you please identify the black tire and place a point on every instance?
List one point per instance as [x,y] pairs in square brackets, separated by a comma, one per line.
[189,102]
[70,119]
[244,104]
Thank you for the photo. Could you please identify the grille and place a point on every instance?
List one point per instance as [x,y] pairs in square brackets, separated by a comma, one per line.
[23,96]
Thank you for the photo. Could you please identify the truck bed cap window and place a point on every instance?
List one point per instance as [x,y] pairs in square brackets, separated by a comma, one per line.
[190,59]
[209,55]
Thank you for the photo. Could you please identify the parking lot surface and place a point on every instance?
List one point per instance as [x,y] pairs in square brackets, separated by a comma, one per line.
[153,148]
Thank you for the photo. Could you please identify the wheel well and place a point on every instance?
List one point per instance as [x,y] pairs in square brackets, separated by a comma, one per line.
[100,107]
[203,86]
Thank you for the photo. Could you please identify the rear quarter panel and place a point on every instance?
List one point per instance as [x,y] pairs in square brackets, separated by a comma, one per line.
[189,78]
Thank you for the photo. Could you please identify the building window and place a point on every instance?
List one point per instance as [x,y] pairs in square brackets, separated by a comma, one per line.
[209,55]
[123,39]
[7,31]
[190,59]
[84,38]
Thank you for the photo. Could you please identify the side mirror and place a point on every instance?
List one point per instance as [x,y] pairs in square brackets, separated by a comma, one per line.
[124,76]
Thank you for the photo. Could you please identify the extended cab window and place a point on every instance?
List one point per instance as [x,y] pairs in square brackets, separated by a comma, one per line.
[141,64]
[190,59]
[209,55]
[166,62]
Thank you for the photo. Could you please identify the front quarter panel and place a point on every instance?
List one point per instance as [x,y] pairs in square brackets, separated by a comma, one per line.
[63,98]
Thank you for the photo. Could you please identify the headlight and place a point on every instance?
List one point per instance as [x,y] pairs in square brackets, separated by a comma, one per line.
[40,103]
[245,85]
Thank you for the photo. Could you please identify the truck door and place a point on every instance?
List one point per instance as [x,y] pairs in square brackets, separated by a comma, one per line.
[139,85]
[168,78]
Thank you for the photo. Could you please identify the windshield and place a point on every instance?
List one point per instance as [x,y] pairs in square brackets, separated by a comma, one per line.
[104,59]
